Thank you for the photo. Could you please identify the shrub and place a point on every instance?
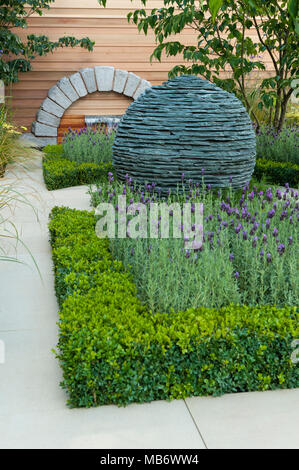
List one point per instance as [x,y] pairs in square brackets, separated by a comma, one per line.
[279,146]
[59,172]
[277,172]
[10,149]
[89,145]
[248,255]
[113,350]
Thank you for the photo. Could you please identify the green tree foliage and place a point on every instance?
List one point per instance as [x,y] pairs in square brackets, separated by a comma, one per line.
[223,44]
[16,54]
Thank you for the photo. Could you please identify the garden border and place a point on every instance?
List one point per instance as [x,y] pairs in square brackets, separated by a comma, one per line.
[112,350]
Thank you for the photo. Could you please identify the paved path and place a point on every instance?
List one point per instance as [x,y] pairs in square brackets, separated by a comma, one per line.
[33,413]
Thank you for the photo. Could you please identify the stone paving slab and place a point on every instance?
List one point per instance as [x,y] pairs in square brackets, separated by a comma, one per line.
[157,425]
[253,420]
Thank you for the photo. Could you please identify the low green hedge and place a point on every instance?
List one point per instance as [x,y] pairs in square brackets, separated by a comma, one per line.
[113,350]
[277,172]
[59,172]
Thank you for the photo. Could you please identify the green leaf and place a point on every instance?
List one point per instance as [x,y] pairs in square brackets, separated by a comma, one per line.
[293,6]
[214,6]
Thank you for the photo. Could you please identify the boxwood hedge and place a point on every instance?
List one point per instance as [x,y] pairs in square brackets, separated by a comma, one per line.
[59,172]
[113,350]
[277,172]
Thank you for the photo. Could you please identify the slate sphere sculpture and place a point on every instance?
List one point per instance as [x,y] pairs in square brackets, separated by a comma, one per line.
[187,125]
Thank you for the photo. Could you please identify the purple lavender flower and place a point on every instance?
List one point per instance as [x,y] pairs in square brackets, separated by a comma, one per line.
[290,240]
[269,259]
[254,242]
[275,232]
[281,248]
[237,275]
[245,235]
[238,228]
[231,257]
[271,213]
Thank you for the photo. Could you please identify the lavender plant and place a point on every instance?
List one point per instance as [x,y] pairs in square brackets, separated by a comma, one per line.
[89,145]
[282,146]
[248,256]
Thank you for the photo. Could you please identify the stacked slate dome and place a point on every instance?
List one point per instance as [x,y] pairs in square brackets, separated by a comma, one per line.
[183,126]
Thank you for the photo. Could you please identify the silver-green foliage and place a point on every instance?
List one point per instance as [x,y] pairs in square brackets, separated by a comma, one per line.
[89,145]
[249,255]
[281,146]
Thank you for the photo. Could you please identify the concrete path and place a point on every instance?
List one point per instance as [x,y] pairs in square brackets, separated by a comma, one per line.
[33,413]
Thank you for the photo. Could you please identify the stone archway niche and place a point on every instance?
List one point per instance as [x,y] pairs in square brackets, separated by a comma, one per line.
[70,89]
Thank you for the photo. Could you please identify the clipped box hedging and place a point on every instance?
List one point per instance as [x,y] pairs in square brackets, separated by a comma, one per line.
[277,172]
[59,172]
[113,350]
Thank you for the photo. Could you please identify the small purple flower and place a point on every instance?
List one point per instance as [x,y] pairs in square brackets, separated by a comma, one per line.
[245,235]
[281,248]
[237,275]
[275,232]
[251,196]
[183,176]
[254,242]
[265,238]
[238,228]
[271,213]
[262,253]
[202,171]
[290,240]
[231,257]
[269,259]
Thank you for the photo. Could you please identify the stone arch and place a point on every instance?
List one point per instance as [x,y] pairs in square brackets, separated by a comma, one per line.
[70,89]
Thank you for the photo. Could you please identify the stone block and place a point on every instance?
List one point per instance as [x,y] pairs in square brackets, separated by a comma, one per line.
[55,94]
[31,140]
[42,130]
[143,85]
[52,107]
[77,82]
[132,84]
[89,79]
[104,77]
[120,79]
[46,118]
[65,85]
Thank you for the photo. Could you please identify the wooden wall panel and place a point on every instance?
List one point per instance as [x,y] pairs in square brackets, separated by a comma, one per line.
[117,43]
